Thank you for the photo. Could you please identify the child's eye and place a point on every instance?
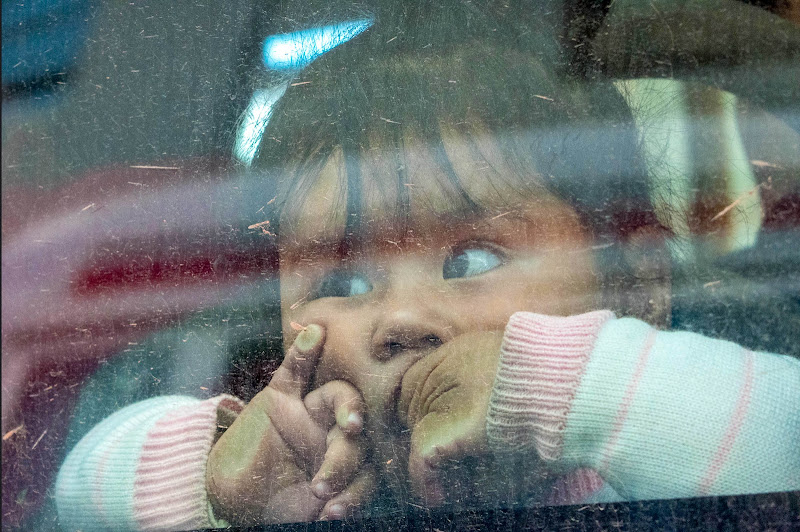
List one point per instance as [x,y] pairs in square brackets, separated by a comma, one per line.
[342,283]
[470,261]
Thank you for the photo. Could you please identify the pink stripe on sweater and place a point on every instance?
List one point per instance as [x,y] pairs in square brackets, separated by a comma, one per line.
[542,361]
[155,471]
[734,428]
[575,487]
[172,522]
[166,490]
[168,502]
[174,444]
[627,400]
[175,455]
[180,426]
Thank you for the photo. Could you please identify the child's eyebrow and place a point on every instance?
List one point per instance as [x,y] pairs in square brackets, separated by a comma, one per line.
[488,222]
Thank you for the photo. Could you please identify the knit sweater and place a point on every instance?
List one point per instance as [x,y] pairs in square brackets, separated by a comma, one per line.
[623,410]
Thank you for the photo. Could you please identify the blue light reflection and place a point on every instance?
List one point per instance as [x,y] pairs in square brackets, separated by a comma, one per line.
[295,50]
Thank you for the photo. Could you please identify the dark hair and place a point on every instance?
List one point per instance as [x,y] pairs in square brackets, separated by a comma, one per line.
[473,68]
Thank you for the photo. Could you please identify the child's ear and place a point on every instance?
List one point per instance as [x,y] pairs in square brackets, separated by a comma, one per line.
[642,285]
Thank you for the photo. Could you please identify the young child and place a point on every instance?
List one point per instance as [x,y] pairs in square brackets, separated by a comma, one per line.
[454,218]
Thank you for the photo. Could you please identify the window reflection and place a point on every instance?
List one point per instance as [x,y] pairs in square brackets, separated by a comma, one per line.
[295,50]
[475,277]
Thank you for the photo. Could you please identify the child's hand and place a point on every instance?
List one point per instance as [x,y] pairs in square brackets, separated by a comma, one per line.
[444,399]
[292,456]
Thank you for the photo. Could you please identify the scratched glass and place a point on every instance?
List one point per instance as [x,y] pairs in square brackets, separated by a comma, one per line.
[429,264]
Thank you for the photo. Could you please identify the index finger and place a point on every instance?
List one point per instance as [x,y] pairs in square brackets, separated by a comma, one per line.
[293,377]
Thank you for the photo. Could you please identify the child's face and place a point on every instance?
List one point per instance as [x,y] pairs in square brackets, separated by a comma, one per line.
[397,297]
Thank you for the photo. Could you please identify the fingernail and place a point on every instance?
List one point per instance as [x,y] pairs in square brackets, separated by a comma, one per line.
[307,339]
[348,420]
[354,420]
[321,489]
[335,511]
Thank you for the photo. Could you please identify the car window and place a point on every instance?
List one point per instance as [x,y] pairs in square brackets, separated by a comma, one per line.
[427,263]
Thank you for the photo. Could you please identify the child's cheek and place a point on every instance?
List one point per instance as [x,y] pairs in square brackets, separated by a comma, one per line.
[567,284]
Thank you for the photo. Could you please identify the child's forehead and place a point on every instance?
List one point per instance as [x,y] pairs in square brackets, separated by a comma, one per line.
[416,188]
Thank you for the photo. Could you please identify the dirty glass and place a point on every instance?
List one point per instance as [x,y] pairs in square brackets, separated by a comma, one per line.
[417,263]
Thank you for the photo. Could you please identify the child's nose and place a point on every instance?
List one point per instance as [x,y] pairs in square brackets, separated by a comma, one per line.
[414,314]
[412,326]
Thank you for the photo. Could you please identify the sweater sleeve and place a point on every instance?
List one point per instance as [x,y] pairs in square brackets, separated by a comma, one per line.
[657,414]
[143,468]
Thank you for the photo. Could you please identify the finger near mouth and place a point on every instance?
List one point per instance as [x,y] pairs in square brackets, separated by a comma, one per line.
[397,419]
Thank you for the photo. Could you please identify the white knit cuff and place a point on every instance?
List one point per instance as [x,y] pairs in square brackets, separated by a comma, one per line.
[541,364]
[170,489]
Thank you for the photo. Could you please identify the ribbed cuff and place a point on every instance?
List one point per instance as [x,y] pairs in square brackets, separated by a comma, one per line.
[170,489]
[541,364]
